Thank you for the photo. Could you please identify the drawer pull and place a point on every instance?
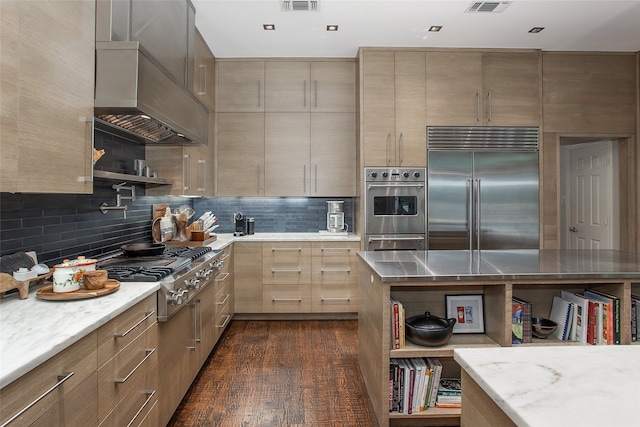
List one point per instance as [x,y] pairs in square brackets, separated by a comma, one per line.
[226,320]
[286,271]
[124,334]
[150,394]
[61,378]
[335,270]
[224,301]
[335,299]
[286,249]
[224,257]
[149,351]
[286,299]
[223,278]
[336,249]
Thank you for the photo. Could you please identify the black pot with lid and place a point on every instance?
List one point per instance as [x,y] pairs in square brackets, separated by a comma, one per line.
[428,330]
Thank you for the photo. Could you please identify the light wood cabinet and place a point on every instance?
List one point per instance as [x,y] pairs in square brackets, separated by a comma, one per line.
[240,86]
[70,375]
[483,88]
[589,93]
[47,82]
[240,154]
[286,277]
[393,107]
[334,277]
[247,272]
[304,144]
[128,365]
[374,323]
[224,309]
[203,72]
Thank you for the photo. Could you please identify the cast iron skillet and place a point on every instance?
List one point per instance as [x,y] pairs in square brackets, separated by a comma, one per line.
[143,249]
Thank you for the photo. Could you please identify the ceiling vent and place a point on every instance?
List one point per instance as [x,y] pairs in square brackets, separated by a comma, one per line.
[299,5]
[488,6]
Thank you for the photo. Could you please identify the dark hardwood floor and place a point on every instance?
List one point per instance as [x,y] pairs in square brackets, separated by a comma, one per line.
[280,373]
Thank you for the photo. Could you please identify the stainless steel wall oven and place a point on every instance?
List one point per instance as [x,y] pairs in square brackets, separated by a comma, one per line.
[395,208]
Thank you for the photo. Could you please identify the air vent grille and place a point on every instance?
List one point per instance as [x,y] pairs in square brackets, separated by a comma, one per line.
[482,138]
[299,5]
[488,6]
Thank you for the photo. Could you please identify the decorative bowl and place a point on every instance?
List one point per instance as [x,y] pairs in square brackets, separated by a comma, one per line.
[95,279]
[541,327]
[428,330]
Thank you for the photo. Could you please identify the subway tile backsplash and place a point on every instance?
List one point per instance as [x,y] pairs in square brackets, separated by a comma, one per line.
[59,226]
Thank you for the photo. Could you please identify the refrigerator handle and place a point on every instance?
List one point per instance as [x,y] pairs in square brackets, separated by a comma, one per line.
[470,212]
[478,219]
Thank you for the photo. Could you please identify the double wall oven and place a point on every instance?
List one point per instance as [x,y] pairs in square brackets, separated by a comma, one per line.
[395,208]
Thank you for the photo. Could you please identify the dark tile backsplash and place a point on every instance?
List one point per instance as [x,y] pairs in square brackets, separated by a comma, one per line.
[59,226]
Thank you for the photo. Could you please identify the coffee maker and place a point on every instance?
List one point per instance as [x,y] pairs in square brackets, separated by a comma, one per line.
[335,216]
[241,224]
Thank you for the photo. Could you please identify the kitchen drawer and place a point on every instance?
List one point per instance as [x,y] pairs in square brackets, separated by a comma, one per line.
[286,298]
[119,332]
[335,251]
[334,299]
[334,275]
[227,257]
[134,410]
[80,358]
[285,252]
[78,408]
[224,307]
[129,374]
[286,263]
[152,418]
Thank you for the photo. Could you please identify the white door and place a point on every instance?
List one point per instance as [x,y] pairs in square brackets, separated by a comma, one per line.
[592,196]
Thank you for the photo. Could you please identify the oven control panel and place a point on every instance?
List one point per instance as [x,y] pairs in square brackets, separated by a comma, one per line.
[373,174]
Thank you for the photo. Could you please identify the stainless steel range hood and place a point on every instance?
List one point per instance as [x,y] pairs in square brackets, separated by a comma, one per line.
[135,94]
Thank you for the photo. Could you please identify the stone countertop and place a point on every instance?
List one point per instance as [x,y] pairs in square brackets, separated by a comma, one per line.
[559,385]
[33,330]
[226,238]
[405,266]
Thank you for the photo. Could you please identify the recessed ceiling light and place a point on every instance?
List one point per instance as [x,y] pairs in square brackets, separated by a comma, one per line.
[435,28]
[269,27]
[536,30]
[332,28]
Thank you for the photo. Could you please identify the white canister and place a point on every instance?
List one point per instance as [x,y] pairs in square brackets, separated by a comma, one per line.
[67,277]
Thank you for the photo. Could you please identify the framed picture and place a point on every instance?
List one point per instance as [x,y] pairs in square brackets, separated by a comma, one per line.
[468,311]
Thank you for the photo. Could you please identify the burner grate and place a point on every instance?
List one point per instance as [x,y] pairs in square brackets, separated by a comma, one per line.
[138,274]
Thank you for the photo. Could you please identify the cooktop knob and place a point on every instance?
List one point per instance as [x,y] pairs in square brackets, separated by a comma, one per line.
[385,174]
[193,283]
[406,174]
[374,174]
[176,297]
[416,174]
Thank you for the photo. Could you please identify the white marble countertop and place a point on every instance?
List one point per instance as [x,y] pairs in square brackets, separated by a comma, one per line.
[224,239]
[550,386]
[33,330]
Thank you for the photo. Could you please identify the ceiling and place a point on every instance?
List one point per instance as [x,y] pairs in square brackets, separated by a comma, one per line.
[234,28]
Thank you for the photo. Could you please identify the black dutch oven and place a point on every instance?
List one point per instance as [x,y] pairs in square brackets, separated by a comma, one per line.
[143,249]
[428,330]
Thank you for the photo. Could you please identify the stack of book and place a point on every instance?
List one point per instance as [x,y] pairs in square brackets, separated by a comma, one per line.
[592,317]
[520,321]
[449,393]
[413,384]
[635,316]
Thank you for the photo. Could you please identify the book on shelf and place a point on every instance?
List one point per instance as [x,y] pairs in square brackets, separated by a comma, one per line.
[517,323]
[437,374]
[581,310]
[526,322]
[562,314]
[397,335]
[612,304]
[448,405]
[635,317]
[411,384]
[450,387]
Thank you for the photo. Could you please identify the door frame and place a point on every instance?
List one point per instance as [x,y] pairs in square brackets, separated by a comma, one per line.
[567,144]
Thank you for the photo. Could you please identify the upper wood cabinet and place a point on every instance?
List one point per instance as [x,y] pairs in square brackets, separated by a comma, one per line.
[287,86]
[47,82]
[240,86]
[589,93]
[287,149]
[483,88]
[203,72]
[393,107]
[333,86]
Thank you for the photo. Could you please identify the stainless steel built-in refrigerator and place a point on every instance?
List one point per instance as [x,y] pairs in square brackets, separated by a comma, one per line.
[482,190]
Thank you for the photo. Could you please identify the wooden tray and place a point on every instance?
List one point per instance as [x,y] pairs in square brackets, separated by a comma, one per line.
[204,242]
[47,293]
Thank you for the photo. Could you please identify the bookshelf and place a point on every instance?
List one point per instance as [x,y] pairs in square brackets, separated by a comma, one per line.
[422,295]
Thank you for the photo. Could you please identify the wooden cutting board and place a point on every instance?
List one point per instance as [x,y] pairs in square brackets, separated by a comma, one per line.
[47,293]
[192,243]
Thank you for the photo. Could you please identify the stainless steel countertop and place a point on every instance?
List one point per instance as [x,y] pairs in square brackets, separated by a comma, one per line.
[398,266]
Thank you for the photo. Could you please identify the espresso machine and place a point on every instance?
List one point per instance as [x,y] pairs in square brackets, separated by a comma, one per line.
[335,216]
[241,224]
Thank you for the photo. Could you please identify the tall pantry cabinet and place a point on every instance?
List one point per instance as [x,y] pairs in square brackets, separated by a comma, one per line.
[47,53]
[291,129]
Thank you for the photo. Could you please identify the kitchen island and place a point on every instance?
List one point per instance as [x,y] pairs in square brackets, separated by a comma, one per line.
[420,280]
[550,386]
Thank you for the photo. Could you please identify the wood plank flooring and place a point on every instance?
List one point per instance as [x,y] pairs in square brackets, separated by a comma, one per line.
[280,373]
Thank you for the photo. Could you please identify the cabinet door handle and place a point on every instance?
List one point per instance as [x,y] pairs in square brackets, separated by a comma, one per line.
[286,299]
[203,72]
[258,93]
[489,106]
[286,249]
[401,148]
[336,249]
[149,351]
[61,379]
[224,301]
[125,333]
[226,320]
[315,93]
[304,92]
[304,179]
[478,106]
[335,270]
[150,394]
[388,148]
[259,181]
[273,271]
[335,299]
[223,278]
[315,178]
